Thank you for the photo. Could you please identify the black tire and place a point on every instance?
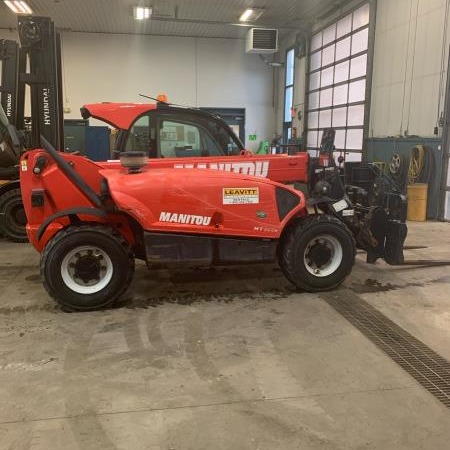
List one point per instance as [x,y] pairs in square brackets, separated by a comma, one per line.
[317,253]
[13,219]
[90,258]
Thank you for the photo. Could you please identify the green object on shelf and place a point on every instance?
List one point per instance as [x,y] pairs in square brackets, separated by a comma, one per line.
[263,148]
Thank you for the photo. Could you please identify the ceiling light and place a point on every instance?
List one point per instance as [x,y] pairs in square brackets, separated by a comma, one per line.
[142,12]
[251,14]
[19,7]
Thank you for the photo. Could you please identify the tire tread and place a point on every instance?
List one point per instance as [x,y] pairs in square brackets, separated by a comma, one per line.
[19,237]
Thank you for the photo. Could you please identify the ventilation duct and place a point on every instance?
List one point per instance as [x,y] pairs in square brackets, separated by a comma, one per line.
[262,40]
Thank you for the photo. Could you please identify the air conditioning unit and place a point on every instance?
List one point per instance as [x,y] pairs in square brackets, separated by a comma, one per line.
[261,40]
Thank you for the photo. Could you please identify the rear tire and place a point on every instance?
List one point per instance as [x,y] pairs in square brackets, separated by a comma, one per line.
[87,267]
[13,219]
[317,253]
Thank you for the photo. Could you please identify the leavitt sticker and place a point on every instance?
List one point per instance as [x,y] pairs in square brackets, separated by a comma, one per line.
[24,166]
[240,196]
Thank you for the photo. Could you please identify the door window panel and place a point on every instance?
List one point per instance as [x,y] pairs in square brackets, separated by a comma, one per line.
[344,26]
[313,119]
[325,118]
[328,55]
[329,34]
[339,117]
[316,60]
[341,72]
[314,100]
[139,136]
[327,77]
[339,139]
[179,139]
[356,115]
[314,81]
[326,98]
[361,16]
[354,139]
[358,66]
[357,91]
[316,42]
[360,41]
[340,94]
[343,49]
[312,139]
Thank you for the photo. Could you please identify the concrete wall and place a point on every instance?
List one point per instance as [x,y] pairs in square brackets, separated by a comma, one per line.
[410,64]
[192,71]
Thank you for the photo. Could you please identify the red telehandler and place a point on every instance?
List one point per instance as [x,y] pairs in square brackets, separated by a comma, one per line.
[186,137]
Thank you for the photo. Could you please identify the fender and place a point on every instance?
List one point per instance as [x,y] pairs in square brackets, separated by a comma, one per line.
[72,213]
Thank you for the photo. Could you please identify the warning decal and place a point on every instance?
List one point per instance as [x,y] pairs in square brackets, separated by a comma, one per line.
[239,196]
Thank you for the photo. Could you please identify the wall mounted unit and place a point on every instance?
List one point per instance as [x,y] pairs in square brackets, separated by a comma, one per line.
[262,40]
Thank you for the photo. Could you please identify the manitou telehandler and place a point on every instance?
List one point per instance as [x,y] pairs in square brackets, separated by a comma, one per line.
[186,137]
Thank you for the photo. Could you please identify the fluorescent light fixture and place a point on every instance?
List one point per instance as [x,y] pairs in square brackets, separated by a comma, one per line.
[18,7]
[142,12]
[251,14]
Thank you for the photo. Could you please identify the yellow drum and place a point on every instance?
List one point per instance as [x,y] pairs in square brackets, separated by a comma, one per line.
[417,202]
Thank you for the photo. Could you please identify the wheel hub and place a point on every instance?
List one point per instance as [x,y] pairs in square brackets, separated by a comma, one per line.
[323,255]
[86,269]
[320,254]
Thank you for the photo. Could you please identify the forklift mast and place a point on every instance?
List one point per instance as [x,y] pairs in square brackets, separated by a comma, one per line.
[39,67]
[9,63]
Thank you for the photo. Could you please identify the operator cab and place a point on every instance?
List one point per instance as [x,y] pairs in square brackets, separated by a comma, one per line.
[171,132]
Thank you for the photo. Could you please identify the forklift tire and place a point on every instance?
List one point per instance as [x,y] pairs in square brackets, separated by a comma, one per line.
[87,267]
[13,219]
[317,253]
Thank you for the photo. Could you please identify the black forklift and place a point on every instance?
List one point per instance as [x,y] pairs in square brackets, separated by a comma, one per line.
[36,63]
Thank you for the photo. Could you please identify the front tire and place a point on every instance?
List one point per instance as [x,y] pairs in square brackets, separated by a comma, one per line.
[13,220]
[87,267]
[317,253]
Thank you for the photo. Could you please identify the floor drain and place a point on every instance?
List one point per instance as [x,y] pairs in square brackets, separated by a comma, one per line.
[429,368]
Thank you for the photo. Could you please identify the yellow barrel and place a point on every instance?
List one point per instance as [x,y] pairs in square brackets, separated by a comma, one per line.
[417,202]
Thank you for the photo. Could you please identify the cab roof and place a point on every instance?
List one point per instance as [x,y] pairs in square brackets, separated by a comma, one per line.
[119,115]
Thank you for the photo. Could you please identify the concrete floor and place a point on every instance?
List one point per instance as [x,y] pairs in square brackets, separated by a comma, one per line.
[227,359]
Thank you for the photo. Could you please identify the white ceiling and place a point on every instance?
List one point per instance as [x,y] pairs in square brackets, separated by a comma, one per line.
[201,18]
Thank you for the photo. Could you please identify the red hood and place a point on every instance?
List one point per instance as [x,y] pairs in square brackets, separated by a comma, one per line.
[119,115]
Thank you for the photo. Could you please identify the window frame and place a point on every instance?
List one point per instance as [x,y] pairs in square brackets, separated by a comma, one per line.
[287,125]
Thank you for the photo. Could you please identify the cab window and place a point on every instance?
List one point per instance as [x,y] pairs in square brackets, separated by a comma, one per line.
[178,134]
[179,139]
